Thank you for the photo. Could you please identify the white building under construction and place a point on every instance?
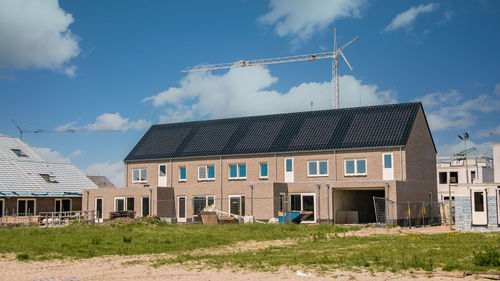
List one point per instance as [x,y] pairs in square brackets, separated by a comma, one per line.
[453,170]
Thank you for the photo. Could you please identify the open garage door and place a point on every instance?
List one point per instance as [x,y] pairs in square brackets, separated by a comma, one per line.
[355,206]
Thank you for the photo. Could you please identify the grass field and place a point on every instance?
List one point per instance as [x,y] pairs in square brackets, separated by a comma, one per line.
[320,247]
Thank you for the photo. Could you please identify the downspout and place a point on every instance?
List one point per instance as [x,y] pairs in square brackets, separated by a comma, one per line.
[221,194]
[319,203]
[171,175]
[126,174]
[275,168]
[334,165]
[150,202]
[328,203]
[251,199]
[400,163]
[86,191]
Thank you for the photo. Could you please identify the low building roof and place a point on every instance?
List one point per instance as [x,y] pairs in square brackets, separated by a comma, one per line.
[102,181]
[346,128]
[24,173]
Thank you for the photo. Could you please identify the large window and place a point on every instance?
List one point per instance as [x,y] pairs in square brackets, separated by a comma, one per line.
[63,205]
[237,171]
[355,167]
[388,160]
[263,172]
[124,204]
[237,204]
[453,177]
[182,173]
[317,168]
[206,172]
[200,202]
[26,207]
[443,177]
[140,175]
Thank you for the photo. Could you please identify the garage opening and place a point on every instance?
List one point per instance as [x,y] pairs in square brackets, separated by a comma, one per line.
[355,206]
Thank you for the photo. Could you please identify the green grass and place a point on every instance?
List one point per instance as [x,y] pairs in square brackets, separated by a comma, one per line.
[448,252]
[318,248]
[144,237]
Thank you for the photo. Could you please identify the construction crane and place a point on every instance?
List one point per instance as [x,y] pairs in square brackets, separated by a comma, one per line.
[462,154]
[307,57]
[69,130]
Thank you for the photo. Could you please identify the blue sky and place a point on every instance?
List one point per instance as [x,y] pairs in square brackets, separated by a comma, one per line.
[115,65]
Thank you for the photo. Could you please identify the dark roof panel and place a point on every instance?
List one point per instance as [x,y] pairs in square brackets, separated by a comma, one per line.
[359,127]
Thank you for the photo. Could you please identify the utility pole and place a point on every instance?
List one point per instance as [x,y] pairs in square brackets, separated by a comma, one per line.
[465,137]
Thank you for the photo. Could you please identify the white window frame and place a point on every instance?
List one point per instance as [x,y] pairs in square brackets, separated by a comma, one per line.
[206,201]
[61,199]
[302,204]
[182,180]
[237,171]
[498,204]
[206,173]
[124,203]
[184,219]
[383,160]
[241,203]
[317,168]
[142,205]
[260,170]
[26,205]
[2,214]
[355,167]
[140,175]
[102,206]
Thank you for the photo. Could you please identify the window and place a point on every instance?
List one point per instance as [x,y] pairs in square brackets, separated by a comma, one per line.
[453,177]
[130,204]
[388,160]
[237,204]
[289,164]
[63,205]
[163,170]
[447,198]
[48,178]
[355,167]
[124,204]
[2,207]
[478,201]
[145,206]
[206,172]
[19,152]
[119,204]
[26,207]
[473,176]
[182,173]
[263,173]
[317,168]
[140,175]
[443,177]
[237,171]
[295,202]
[200,202]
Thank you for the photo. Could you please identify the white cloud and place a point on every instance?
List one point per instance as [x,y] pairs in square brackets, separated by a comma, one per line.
[49,155]
[497,89]
[77,152]
[448,15]
[448,111]
[407,18]
[35,33]
[301,19]
[114,122]
[242,92]
[112,170]
[66,127]
[485,148]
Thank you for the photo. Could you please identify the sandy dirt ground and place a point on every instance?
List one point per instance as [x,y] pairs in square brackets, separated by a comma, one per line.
[139,267]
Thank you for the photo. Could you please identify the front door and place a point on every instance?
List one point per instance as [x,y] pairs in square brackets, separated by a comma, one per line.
[288,169]
[58,205]
[181,216]
[162,175]
[98,208]
[479,207]
[308,205]
[145,206]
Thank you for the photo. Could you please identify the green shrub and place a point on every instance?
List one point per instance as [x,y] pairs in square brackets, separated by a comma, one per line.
[490,256]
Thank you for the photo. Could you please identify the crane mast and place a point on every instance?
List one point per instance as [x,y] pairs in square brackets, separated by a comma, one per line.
[306,57]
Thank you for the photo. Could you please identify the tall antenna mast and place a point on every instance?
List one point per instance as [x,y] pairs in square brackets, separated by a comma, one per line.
[307,57]
[19,129]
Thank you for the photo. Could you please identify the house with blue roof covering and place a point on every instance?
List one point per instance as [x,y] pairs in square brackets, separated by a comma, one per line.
[29,185]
